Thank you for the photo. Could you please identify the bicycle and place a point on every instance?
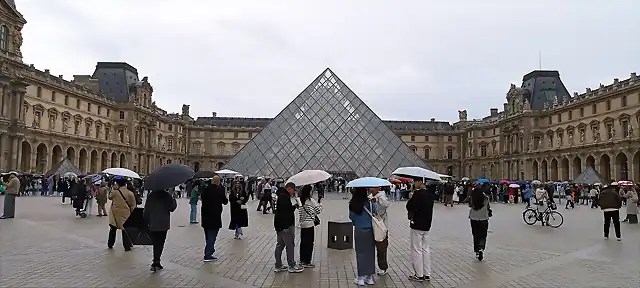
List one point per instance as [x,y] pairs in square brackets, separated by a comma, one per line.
[549,215]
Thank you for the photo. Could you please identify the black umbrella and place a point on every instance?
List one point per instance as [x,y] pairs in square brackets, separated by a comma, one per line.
[168,176]
[203,174]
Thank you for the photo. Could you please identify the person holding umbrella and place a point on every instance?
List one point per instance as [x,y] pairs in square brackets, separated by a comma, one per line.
[122,204]
[160,203]
[420,214]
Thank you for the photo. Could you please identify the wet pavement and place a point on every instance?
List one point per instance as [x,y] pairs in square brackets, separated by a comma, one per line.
[46,246]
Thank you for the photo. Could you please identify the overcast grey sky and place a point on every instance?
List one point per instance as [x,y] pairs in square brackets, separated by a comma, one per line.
[408,60]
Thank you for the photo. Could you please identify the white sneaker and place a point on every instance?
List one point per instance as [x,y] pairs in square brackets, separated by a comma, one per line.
[359,281]
[382,272]
[369,280]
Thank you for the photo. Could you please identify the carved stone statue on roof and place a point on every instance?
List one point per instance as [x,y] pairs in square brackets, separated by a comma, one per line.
[526,105]
[462,115]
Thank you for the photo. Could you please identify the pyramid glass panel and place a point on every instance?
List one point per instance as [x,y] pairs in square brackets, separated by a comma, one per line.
[326,127]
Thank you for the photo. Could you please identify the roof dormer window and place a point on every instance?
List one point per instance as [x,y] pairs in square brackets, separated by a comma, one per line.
[4,37]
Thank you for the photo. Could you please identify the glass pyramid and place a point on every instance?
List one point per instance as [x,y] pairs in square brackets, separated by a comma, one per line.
[326,127]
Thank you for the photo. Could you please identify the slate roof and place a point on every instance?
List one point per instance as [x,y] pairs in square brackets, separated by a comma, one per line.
[115,79]
[544,86]
[263,122]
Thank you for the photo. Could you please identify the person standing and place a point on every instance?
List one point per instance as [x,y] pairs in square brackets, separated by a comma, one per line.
[283,222]
[123,201]
[238,204]
[381,203]
[193,204]
[360,211]
[420,214]
[213,198]
[528,194]
[632,206]
[479,214]
[448,194]
[157,214]
[101,198]
[12,189]
[309,211]
[593,193]
[80,195]
[610,202]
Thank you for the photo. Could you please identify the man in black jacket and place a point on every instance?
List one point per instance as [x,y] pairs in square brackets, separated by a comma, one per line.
[284,221]
[420,213]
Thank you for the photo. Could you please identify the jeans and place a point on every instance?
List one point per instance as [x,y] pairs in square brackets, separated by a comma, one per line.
[306,244]
[479,232]
[420,253]
[210,239]
[157,238]
[238,230]
[615,216]
[193,216]
[126,241]
[286,239]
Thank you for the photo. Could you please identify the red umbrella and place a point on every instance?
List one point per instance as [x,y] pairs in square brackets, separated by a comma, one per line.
[504,181]
[405,179]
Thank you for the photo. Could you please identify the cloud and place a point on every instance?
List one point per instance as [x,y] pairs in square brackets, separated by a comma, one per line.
[414,60]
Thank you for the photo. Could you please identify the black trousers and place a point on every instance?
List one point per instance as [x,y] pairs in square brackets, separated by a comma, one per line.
[306,244]
[126,242]
[157,238]
[615,216]
[594,201]
[479,231]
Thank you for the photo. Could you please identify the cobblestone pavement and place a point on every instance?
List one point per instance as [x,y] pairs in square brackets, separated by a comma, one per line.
[46,246]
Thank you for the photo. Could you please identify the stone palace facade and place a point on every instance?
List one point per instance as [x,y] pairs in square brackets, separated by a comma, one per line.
[109,119]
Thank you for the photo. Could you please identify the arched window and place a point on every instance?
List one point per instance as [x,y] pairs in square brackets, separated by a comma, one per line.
[4,37]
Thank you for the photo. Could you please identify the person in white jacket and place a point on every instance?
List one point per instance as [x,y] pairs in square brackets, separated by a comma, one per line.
[379,198]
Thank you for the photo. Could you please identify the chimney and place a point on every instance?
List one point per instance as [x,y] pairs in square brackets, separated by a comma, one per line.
[214,114]
[433,119]
[47,71]
[494,112]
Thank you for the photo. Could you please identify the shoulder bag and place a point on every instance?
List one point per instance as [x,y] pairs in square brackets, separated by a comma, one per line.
[379,229]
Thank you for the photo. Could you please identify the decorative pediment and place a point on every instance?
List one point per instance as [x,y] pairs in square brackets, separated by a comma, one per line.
[559,130]
[550,132]
[537,133]
[607,120]
[107,125]
[594,122]
[570,128]
[38,107]
[624,116]
[53,111]
[582,125]
[99,122]
[66,115]
[78,117]
[88,120]
[121,127]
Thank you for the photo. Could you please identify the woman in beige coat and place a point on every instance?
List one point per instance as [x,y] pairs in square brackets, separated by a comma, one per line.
[123,202]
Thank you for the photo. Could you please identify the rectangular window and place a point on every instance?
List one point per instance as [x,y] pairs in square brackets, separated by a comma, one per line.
[449,138]
[426,138]
[39,92]
[427,153]
[483,150]
[121,115]
[449,153]
[78,103]
[53,96]
[89,107]
[594,109]
[571,115]
[550,120]
[413,138]
[581,111]
[108,112]
[608,105]
[623,101]
[66,100]
[560,118]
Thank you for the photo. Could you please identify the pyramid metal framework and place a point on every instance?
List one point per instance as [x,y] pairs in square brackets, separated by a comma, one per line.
[326,127]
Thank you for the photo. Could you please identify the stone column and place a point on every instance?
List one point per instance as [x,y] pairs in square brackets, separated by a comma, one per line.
[19,90]
[4,153]
[33,160]
[4,99]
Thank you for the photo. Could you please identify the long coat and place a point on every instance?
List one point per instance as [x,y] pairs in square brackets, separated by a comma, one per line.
[238,215]
[632,202]
[213,197]
[121,207]
[157,210]
[79,195]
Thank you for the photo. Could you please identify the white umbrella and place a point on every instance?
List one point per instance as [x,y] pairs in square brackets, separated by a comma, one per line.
[70,175]
[536,182]
[514,185]
[417,172]
[465,179]
[368,182]
[226,172]
[121,172]
[308,177]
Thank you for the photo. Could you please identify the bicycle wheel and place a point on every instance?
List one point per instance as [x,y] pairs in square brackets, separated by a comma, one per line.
[554,219]
[530,216]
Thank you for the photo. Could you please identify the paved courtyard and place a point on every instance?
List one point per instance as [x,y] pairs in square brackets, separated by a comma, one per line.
[46,246]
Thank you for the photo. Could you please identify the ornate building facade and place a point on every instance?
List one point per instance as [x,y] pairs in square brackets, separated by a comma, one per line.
[109,119]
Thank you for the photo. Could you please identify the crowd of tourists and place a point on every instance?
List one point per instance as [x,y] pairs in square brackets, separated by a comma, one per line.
[284,200]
